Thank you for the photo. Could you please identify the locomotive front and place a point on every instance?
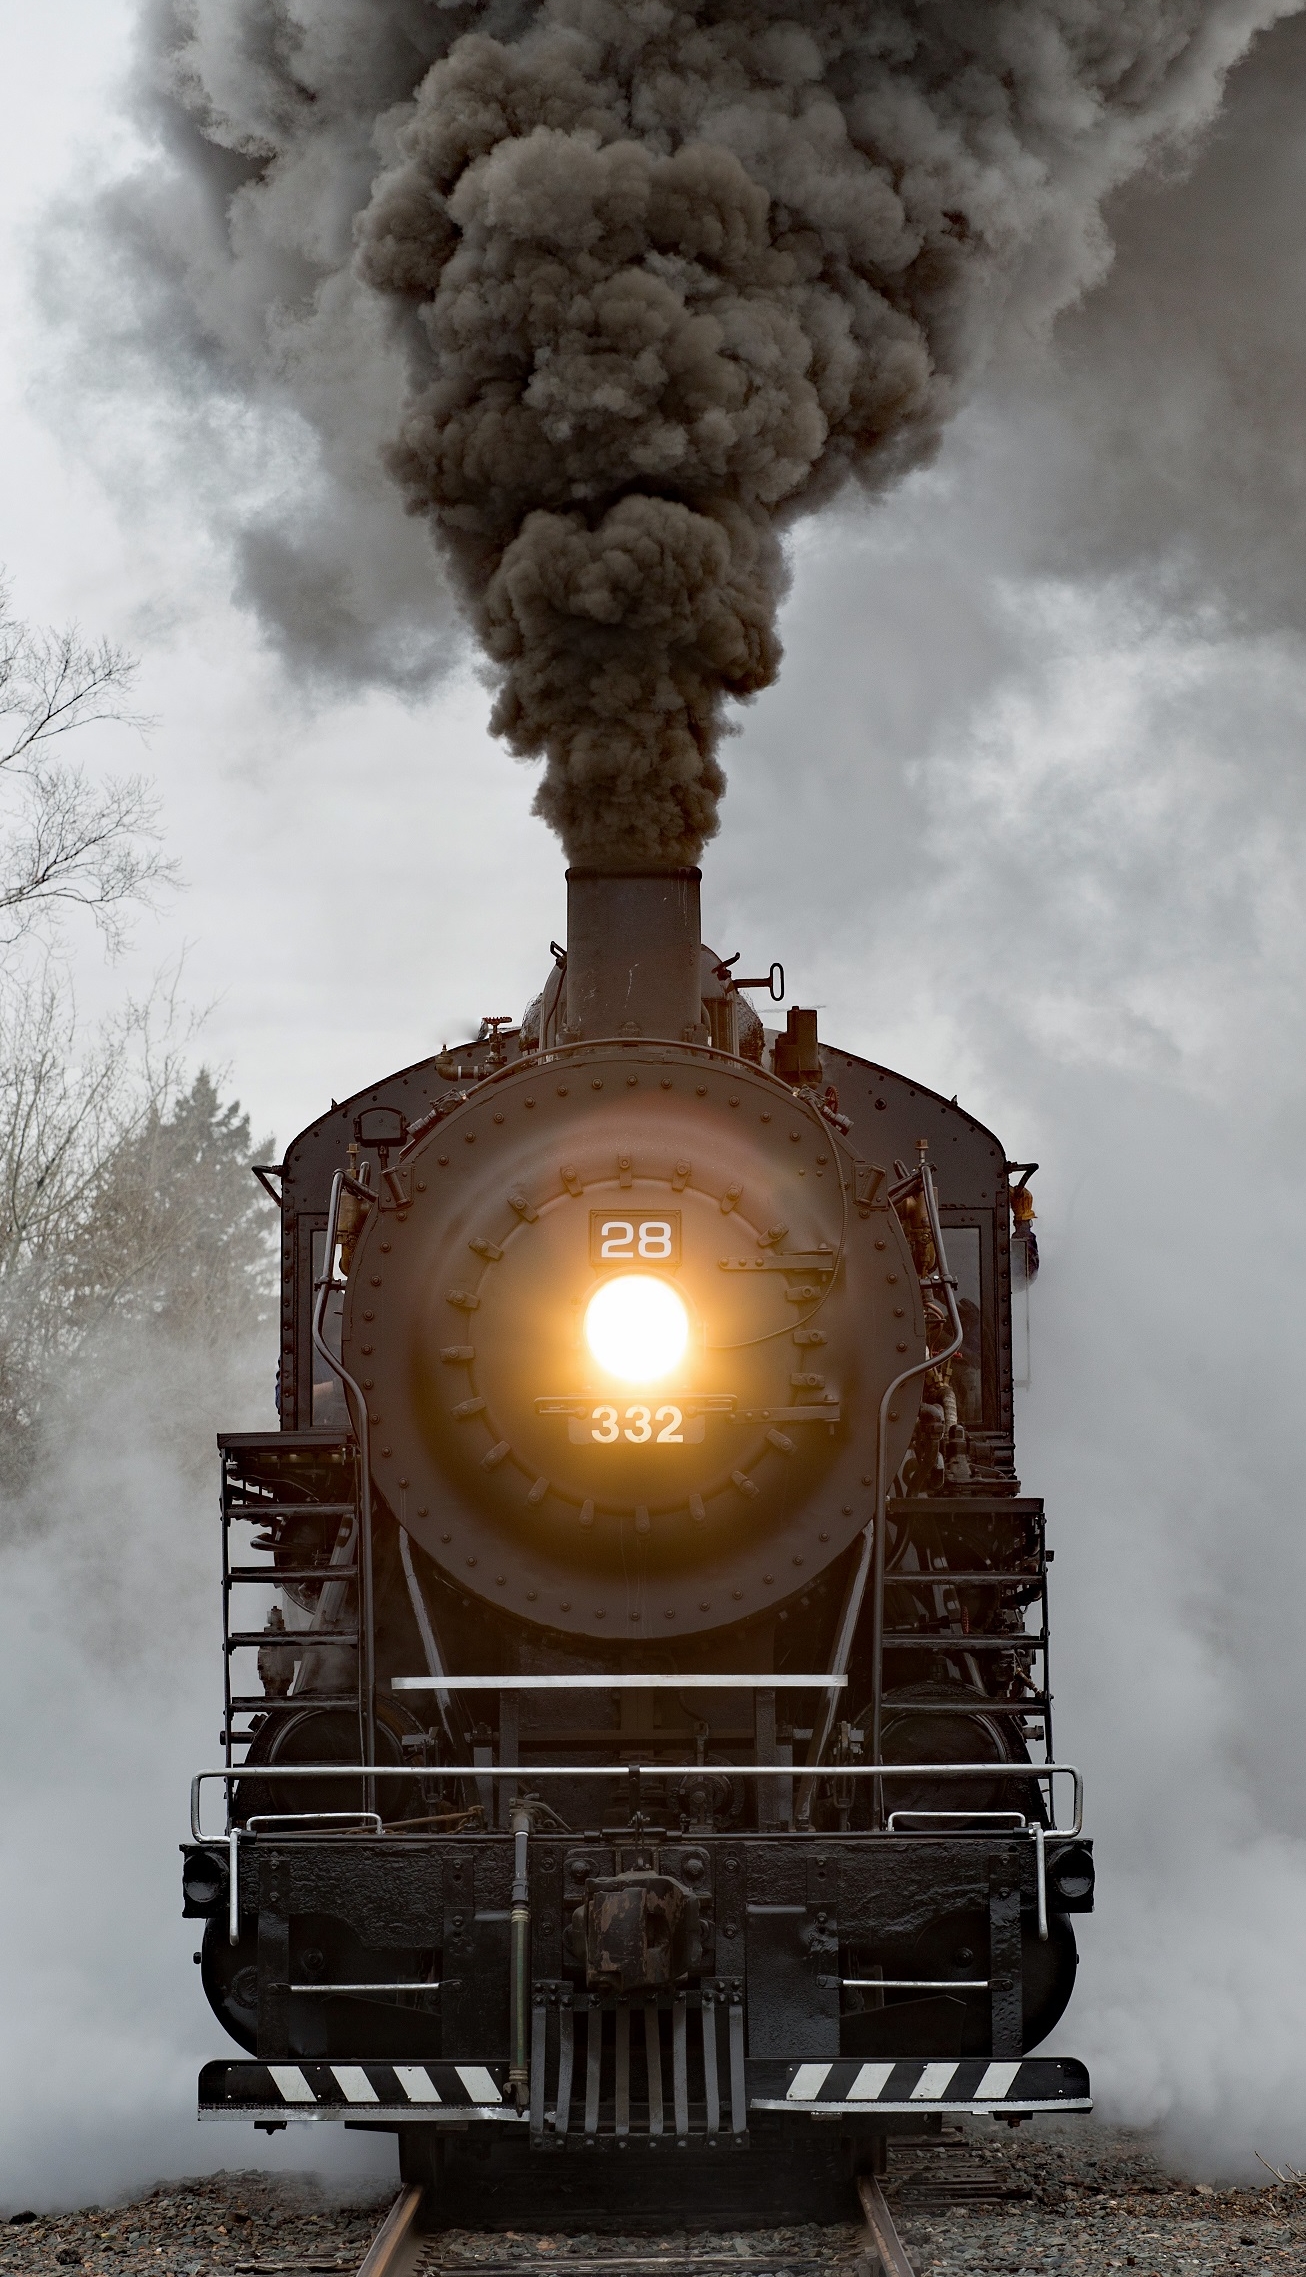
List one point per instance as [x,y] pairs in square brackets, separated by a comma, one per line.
[624,1343]
[647,1757]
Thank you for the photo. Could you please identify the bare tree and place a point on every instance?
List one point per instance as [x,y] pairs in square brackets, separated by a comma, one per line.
[127,1212]
[65,839]
[124,1215]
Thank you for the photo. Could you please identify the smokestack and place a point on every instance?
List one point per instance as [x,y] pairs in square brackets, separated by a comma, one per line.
[634,951]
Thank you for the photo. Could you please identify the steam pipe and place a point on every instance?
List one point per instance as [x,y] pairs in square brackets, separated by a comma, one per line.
[358,1411]
[871,1557]
[519,2002]
[430,1648]
[315,1640]
[233,1879]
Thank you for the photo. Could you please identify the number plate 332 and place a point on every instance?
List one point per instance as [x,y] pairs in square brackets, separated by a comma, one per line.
[641,1423]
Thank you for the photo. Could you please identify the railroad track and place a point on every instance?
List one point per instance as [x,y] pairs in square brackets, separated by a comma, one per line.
[933,2172]
[401,2248]
[1087,2198]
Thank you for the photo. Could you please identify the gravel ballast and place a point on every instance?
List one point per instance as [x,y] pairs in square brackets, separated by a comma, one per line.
[1057,2199]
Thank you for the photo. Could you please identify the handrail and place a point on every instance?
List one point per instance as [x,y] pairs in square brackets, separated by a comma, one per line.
[526,1772]
[282,1822]
[376,1984]
[872,1550]
[592,1682]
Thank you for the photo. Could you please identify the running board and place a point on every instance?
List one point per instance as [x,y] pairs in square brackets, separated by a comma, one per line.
[841,2090]
[581,2081]
[271,2094]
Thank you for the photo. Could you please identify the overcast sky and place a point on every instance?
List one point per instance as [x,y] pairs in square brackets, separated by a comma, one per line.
[1024,815]
[1014,642]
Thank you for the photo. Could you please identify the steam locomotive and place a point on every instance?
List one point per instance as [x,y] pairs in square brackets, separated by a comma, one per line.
[651,1743]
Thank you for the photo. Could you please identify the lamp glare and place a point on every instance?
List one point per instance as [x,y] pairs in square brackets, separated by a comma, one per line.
[636,1327]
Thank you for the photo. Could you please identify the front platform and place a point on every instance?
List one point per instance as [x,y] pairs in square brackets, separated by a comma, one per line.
[457,2095]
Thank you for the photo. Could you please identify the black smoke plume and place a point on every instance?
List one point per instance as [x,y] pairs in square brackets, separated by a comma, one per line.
[621,290]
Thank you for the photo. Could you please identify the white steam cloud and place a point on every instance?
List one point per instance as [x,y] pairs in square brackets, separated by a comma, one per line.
[619,292]
[1067,885]
[111,1692]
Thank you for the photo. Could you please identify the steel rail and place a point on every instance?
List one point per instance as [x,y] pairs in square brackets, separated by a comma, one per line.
[391,2249]
[889,2248]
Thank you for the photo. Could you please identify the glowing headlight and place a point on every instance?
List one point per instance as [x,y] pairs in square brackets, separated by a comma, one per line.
[636,1327]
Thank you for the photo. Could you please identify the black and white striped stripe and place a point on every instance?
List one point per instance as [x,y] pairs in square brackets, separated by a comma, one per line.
[1036,2084]
[340,2090]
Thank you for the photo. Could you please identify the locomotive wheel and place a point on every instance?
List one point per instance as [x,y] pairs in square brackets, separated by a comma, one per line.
[323,1735]
[957,1945]
[229,1975]
[967,1735]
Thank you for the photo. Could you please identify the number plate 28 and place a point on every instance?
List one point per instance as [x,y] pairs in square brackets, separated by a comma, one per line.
[635,1237]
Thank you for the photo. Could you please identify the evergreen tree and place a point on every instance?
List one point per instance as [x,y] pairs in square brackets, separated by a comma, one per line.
[176,1234]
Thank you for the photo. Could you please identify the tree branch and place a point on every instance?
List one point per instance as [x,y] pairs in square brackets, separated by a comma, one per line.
[65,839]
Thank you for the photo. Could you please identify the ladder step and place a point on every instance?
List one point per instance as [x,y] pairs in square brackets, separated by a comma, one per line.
[976,1704]
[255,1704]
[985,1504]
[273,1575]
[302,1640]
[1018,1641]
[943,1577]
[262,1510]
